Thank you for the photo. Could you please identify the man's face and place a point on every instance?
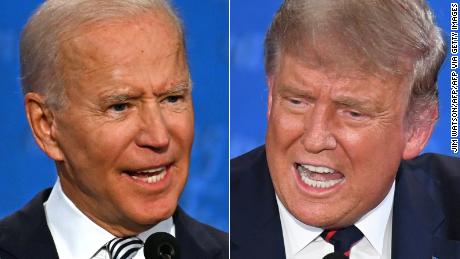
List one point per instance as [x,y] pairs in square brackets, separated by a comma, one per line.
[334,141]
[126,130]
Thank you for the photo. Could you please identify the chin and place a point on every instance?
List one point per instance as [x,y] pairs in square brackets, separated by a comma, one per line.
[322,218]
[157,212]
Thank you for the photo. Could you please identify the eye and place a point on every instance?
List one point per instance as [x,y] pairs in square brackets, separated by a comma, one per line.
[295,101]
[355,114]
[119,107]
[173,98]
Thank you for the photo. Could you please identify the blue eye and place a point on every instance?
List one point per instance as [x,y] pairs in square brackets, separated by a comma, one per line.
[119,107]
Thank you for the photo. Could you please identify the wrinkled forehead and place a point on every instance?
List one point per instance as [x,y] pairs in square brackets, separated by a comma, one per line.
[118,41]
[313,71]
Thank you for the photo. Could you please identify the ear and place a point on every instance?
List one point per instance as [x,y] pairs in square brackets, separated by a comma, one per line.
[270,82]
[419,132]
[41,121]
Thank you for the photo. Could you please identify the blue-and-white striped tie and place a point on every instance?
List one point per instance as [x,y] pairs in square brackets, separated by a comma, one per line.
[123,247]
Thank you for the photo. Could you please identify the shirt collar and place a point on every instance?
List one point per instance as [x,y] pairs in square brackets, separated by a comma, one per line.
[75,234]
[371,223]
[298,235]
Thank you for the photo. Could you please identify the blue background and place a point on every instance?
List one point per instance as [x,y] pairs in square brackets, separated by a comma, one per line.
[25,170]
[249,91]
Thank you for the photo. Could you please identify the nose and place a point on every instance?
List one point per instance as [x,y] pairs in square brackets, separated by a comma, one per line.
[317,134]
[154,132]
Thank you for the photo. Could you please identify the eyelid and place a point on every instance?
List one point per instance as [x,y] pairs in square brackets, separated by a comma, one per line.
[112,106]
[360,114]
[177,92]
[177,99]
[295,100]
[300,99]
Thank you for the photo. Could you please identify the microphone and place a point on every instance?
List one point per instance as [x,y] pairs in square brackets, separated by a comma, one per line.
[161,245]
[335,256]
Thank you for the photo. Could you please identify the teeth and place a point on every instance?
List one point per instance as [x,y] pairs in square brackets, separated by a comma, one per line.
[319,184]
[317,169]
[154,170]
[153,178]
[305,172]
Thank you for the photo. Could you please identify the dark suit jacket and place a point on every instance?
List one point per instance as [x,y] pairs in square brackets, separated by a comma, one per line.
[426,210]
[25,235]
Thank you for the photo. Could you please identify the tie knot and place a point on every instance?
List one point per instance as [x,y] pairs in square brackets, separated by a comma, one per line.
[123,247]
[343,239]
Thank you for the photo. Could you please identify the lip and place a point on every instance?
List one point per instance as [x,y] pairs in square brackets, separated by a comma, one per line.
[158,186]
[312,191]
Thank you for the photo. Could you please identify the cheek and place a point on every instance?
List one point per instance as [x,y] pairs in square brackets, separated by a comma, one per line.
[284,131]
[113,137]
[99,145]
[375,142]
[374,156]
[284,128]
[181,128]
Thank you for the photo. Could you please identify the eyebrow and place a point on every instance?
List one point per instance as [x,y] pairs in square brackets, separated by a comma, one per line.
[120,95]
[366,104]
[295,91]
[181,87]
[350,102]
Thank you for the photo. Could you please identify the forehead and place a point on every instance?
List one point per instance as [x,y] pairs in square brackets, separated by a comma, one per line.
[330,48]
[120,41]
[381,91]
[311,73]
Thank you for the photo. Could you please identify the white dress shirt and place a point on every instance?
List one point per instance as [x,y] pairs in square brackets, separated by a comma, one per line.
[76,236]
[304,241]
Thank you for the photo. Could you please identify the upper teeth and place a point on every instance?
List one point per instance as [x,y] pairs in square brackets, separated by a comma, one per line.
[153,178]
[153,170]
[317,169]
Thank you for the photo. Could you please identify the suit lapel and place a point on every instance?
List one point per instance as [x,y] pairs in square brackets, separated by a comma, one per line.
[258,233]
[425,188]
[194,241]
[417,214]
[28,233]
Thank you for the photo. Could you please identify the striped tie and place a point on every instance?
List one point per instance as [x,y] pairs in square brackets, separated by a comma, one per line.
[342,239]
[123,248]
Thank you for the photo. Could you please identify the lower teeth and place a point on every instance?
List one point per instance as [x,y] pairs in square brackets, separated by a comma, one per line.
[318,184]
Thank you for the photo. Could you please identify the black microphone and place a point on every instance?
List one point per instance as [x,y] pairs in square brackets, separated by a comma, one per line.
[161,245]
[335,256]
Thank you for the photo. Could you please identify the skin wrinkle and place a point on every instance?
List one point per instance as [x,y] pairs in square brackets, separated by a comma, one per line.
[320,130]
[347,91]
[330,80]
[125,210]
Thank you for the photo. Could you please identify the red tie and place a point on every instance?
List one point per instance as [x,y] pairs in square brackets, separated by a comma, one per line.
[343,240]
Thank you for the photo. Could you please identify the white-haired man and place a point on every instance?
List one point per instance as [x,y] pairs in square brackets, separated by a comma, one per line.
[108,97]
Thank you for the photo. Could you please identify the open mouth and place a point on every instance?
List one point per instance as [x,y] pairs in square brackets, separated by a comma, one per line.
[151,175]
[319,176]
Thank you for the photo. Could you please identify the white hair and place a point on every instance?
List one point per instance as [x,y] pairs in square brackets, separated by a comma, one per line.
[39,45]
